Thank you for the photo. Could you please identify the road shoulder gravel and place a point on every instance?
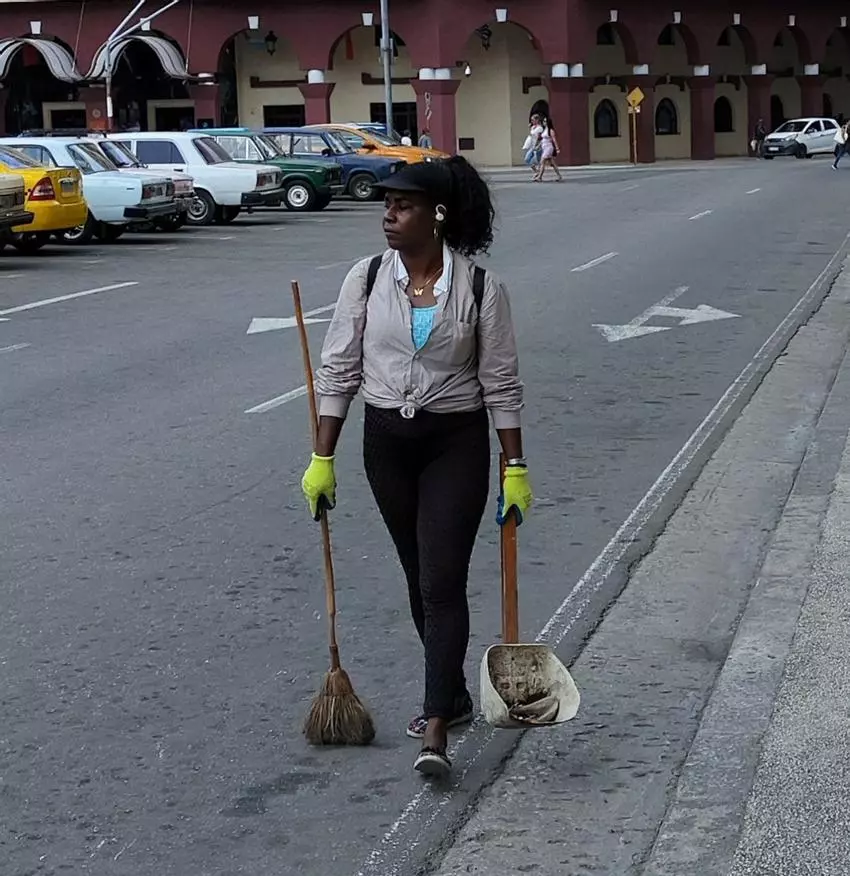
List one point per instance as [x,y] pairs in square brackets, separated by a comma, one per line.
[680,679]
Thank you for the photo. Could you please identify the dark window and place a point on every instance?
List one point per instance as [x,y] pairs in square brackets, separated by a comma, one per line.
[666,118]
[465,144]
[780,39]
[667,37]
[827,106]
[777,112]
[725,38]
[285,116]
[158,152]
[724,122]
[606,122]
[606,36]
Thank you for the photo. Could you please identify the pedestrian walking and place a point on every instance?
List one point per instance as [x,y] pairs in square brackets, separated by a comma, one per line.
[548,150]
[425,141]
[842,135]
[427,337]
[759,136]
[532,147]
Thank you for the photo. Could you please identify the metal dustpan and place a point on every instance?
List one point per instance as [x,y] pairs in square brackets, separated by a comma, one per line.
[522,686]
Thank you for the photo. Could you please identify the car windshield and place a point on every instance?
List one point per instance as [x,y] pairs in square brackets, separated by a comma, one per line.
[337,144]
[118,154]
[792,127]
[382,138]
[89,158]
[17,160]
[210,150]
[267,146]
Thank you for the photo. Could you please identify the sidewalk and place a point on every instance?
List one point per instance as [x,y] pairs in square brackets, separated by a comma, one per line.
[715,722]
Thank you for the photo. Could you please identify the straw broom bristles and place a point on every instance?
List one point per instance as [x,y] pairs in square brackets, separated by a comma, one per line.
[336,716]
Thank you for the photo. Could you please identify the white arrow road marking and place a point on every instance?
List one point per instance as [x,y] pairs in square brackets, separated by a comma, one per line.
[594,262]
[700,215]
[278,401]
[688,316]
[44,302]
[634,328]
[13,348]
[271,324]
[753,191]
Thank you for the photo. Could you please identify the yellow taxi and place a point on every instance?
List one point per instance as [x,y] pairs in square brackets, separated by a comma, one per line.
[54,196]
[369,142]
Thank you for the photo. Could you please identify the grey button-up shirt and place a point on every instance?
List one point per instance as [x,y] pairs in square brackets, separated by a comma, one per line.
[469,360]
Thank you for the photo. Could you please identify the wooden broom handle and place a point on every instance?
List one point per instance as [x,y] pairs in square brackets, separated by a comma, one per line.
[330,583]
[510,593]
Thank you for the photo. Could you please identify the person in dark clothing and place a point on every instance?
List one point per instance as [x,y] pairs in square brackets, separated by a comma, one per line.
[427,336]
[759,136]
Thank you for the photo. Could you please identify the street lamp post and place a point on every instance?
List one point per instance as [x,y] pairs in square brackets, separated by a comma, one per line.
[387,57]
[119,33]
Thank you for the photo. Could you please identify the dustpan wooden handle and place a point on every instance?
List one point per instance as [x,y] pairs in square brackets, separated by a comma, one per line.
[510,593]
[330,584]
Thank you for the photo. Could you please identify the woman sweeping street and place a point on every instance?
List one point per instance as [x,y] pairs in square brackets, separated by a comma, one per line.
[427,336]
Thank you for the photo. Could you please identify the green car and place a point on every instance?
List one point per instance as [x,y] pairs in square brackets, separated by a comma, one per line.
[308,185]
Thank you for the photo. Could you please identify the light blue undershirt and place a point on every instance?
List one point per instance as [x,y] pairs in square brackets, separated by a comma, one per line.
[422,322]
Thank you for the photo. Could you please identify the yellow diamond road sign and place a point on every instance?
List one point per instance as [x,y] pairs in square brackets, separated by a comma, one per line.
[635,97]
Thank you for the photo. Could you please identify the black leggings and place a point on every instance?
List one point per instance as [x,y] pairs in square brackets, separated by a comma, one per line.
[430,476]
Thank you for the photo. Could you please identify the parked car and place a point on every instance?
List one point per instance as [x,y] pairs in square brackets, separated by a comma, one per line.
[359,172]
[308,184]
[372,142]
[54,196]
[184,185]
[802,138]
[222,186]
[12,211]
[115,201]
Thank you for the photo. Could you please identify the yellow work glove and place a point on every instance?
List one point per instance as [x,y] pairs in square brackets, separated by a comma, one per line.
[516,494]
[319,485]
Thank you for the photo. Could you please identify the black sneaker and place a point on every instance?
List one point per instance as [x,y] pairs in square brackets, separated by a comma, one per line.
[464,715]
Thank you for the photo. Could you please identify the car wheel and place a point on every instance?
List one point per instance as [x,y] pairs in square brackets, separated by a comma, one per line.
[768,157]
[801,152]
[109,233]
[202,209]
[299,197]
[361,187]
[29,242]
[171,223]
[228,214]
[322,202]
[81,234]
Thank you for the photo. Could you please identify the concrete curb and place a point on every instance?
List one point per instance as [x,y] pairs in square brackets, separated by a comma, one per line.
[701,829]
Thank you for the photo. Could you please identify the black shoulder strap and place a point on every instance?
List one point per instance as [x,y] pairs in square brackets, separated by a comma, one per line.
[372,274]
[479,278]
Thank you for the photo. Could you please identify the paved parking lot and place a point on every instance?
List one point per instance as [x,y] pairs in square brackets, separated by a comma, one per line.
[162,630]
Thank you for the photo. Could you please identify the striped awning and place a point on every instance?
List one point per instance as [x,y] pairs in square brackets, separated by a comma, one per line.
[59,60]
[170,57]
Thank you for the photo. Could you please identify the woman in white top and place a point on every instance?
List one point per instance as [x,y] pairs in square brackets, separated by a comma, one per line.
[533,145]
[549,149]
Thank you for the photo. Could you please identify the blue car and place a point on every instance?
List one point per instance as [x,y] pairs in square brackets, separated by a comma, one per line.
[359,172]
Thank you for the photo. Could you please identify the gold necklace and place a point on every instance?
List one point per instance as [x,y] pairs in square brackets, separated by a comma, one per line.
[419,291]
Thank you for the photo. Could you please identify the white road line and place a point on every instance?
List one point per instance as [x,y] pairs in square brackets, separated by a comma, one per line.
[45,301]
[13,348]
[700,215]
[594,262]
[557,627]
[277,402]
[630,188]
[10,276]
[753,191]
[530,215]
[335,265]
[226,238]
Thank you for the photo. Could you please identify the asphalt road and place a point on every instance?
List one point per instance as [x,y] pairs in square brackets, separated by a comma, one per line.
[162,628]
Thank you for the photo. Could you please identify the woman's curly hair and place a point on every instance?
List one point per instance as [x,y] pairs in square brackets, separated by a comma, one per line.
[468,228]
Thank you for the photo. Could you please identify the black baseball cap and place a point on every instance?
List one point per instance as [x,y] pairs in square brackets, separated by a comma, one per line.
[428,177]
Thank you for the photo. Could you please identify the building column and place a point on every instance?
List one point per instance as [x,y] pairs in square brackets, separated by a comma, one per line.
[95,101]
[645,119]
[436,108]
[758,101]
[568,105]
[702,117]
[207,105]
[317,97]
[811,92]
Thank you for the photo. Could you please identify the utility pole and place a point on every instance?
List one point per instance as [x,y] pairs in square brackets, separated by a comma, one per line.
[118,34]
[387,57]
